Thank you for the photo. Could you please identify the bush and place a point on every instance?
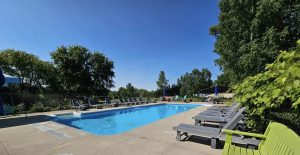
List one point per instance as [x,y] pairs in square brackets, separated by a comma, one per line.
[39,108]
[192,99]
[274,91]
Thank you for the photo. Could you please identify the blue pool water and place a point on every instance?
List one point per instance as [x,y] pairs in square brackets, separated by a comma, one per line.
[122,120]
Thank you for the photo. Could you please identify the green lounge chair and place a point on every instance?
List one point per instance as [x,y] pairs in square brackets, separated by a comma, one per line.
[184,98]
[176,98]
[8,109]
[278,139]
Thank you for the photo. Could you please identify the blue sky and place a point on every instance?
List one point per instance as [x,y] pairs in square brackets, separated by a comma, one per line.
[142,37]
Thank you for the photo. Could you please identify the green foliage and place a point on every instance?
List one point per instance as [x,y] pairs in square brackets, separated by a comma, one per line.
[83,72]
[275,90]
[192,83]
[39,108]
[131,91]
[250,34]
[173,90]
[223,79]
[162,80]
[29,68]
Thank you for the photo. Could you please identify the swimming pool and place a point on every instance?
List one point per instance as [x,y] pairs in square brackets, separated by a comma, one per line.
[121,120]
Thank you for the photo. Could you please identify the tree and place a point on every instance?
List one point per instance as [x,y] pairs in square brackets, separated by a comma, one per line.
[275,90]
[101,71]
[250,34]
[122,92]
[132,91]
[162,80]
[223,80]
[192,83]
[174,89]
[31,71]
[83,72]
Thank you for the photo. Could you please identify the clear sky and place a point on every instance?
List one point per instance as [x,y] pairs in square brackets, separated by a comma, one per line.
[142,37]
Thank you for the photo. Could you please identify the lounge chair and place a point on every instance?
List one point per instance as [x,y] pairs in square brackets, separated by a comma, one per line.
[176,98]
[136,102]
[139,99]
[130,101]
[221,119]
[214,134]
[124,102]
[144,100]
[77,105]
[278,139]
[223,108]
[114,103]
[92,103]
[184,98]
[151,100]
[220,113]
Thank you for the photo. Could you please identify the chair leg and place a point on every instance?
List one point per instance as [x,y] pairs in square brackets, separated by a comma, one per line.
[214,142]
[178,137]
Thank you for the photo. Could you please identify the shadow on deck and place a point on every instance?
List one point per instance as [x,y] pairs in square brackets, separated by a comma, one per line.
[18,121]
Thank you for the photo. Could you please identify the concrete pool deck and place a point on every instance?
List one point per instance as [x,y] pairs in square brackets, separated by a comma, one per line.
[37,135]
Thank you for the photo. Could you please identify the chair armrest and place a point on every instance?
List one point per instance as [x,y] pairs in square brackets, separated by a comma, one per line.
[230,132]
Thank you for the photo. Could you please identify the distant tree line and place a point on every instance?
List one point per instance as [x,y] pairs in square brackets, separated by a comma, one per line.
[130,91]
[188,84]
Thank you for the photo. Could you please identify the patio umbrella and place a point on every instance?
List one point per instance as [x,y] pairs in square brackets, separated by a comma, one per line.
[216,90]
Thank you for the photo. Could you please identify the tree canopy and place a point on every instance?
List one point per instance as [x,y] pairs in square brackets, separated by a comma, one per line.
[192,83]
[131,91]
[250,34]
[82,71]
[162,80]
[31,71]
[223,79]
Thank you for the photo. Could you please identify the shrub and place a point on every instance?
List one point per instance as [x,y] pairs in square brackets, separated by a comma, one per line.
[274,91]
[39,108]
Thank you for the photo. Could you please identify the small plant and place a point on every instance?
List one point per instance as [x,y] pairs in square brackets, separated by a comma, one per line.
[39,108]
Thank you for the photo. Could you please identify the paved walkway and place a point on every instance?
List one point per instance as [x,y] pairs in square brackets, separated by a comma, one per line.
[36,135]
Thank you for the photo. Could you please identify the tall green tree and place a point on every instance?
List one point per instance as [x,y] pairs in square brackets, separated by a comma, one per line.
[250,34]
[101,72]
[83,72]
[192,83]
[162,80]
[132,91]
[31,71]
[223,79]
